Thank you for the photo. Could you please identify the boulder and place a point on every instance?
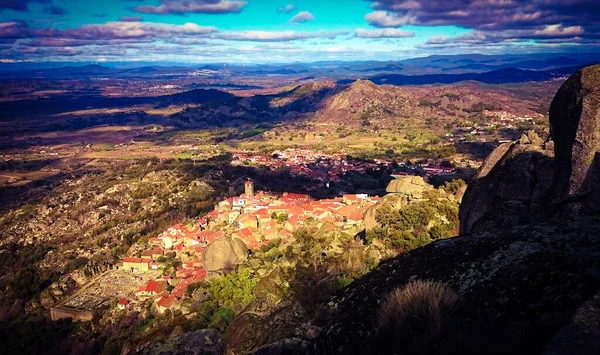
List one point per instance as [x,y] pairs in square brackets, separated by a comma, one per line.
[582,333]
[286,346]
[410,186]
[224,253]
[512,187]
[535,179]
[250,331]
[575,130]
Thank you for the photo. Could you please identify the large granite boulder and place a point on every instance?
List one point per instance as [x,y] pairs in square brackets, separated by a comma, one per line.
[534,179]
[575,129]
[512,187]
[410,186]
[224,253]
[517,289]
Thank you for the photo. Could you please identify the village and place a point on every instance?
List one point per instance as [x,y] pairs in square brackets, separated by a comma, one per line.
[163,268]
[254,218]
[331,167]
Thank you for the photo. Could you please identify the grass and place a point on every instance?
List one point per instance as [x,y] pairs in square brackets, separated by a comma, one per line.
[412,315]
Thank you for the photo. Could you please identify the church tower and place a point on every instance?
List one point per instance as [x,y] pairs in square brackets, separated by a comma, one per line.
[249,189]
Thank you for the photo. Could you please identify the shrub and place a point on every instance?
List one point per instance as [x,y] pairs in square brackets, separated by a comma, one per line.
[413,315]
[453,186]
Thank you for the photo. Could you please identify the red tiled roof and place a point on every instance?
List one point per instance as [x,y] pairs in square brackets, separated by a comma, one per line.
[356,216]
[200,275]
[285,233]
[271,232]
[166,301]
[132,260]
[346,211]
[123,301]
[244,233]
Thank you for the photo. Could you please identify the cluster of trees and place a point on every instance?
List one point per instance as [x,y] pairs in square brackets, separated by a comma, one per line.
[220,299]
[418,223]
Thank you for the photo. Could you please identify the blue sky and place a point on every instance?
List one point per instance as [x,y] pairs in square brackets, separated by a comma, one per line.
[262,31]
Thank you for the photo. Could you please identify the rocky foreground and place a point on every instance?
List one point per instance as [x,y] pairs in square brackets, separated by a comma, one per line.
[527,273]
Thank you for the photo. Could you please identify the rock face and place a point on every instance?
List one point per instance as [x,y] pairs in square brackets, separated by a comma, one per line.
[582,333]
[575,129]
[224,253]
[250,331]
[518,288]
[265,320]
[534,179]
[201,342]
[513,187]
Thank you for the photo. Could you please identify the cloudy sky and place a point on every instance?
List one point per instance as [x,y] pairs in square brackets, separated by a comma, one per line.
[261,31]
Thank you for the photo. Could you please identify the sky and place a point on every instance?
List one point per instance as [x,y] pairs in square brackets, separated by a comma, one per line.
[272,31]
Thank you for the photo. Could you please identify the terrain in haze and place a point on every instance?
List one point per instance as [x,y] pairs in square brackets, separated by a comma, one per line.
[143,204]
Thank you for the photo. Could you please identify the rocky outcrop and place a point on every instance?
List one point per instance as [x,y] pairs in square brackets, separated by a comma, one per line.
[250,331]
[201,342]
[224,253]
[512,187]
[266,319]
[410,186]
[582,333]
[401,191]
[517,287]
[535,179]
[575,129]
[286,346]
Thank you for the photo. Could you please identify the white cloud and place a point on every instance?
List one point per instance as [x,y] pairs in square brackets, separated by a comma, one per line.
[383,33]
[386,19]
[302,16]
[276,36]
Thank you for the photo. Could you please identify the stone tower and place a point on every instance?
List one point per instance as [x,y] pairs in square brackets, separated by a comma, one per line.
[249,189]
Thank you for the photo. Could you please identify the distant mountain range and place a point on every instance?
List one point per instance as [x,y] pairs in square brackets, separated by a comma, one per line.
[426,70]
[501,76]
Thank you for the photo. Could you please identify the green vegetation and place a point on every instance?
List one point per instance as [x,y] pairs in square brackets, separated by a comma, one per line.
[416,224]
[224,297]
[75,264]
[251,133]
[453,186]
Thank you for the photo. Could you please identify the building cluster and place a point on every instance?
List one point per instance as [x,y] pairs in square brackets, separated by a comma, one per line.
[430,168]
[305,162]
[255,218]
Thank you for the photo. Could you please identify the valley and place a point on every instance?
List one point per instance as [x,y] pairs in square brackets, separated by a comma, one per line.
[135,210]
